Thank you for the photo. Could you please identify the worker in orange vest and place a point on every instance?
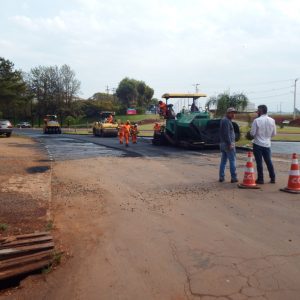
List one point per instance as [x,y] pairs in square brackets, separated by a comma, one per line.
[121,132]
[162,108]
[156,127]
[134,133]
[110,119]
[127,132]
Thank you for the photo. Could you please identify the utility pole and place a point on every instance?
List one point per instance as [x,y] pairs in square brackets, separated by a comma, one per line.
[295,90]
[196,87]
[107,90]
[280,108]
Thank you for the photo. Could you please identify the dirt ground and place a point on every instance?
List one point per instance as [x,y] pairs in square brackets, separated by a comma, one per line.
[164,228]
[24,185]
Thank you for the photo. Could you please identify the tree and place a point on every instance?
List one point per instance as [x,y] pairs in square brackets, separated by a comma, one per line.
[54,89]
[225,100]
[13,93]
[131,92]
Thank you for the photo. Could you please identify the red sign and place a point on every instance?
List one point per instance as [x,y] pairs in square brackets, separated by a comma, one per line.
[131,111]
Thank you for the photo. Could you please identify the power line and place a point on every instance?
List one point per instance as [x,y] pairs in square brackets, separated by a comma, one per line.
[270,82]
[231,86]
[272,96]
[267,91]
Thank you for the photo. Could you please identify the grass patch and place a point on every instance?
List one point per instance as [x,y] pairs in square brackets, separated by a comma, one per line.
[80,132]
[288,130]
[49,226]
[286,137]
[136,118]
[56,260]
[3,227]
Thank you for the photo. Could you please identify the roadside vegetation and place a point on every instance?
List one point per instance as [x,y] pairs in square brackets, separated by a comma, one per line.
[55,90]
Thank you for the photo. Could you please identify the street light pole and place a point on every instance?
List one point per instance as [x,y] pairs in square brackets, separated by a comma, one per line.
[295,90]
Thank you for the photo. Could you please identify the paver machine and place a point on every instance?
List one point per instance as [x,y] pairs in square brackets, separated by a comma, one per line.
[51,124]
[106,126]
[190,128]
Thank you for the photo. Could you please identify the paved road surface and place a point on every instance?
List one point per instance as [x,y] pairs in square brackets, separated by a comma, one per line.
[154,223]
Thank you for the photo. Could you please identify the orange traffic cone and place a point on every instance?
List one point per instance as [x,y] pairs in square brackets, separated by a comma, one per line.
[294,177]
[249,176]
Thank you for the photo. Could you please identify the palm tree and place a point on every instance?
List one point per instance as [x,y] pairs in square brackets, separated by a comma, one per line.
[225,100]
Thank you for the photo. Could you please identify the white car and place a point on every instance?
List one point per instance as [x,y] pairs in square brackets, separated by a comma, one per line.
[24,125]
[6,128]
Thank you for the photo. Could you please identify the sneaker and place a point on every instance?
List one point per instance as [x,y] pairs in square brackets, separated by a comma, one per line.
[272,181]
[259,181]
[127,145]
[221,179]
[234,180]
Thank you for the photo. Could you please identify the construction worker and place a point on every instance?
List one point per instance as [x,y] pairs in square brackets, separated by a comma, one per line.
[110,119]
[162,108]
[127,132]
[156,127]
[121,132]
[134,133]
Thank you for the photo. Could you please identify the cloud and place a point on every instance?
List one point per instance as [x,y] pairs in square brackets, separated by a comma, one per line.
[169,44]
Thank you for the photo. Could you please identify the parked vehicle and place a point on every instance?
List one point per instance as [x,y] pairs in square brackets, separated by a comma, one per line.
[23,125]
[6,128]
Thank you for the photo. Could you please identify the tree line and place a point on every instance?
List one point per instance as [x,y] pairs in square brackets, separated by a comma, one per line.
[55,90]
[45,90]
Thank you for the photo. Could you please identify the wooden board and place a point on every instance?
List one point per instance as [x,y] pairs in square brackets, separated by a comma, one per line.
[18,261]
[25,249]
[24,269]
[25,253]
[23,242]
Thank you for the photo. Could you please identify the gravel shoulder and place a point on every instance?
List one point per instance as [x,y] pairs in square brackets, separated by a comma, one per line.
[25,188]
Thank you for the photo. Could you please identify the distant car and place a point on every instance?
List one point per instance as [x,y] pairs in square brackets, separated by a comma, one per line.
[24,125]
[6,128]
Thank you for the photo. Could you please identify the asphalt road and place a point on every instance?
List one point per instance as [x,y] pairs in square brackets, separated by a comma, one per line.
[154,223]
[157,224]
[71,146]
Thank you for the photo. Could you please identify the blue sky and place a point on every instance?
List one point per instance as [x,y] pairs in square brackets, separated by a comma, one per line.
[237,46]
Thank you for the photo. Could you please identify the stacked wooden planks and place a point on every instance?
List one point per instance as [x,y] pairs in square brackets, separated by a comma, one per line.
[25,253]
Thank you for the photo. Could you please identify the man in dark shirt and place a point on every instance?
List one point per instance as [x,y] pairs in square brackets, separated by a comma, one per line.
[227,146]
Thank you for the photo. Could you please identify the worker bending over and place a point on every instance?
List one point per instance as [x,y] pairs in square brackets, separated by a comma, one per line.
[134,133]
[127,132]
[121,132]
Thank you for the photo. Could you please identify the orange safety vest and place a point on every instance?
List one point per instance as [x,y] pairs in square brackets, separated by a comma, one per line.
[134,130]
[126,129]
[121,130]
[156,127]
[163,107]
[110,119]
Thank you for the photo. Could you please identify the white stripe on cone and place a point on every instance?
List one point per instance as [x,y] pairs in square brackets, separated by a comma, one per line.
[295,172]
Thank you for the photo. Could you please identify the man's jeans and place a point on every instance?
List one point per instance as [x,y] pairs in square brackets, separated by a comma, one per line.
[231,156]
[260,153]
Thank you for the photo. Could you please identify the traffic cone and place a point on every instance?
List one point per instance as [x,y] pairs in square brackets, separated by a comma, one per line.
[249,175]
[294,177]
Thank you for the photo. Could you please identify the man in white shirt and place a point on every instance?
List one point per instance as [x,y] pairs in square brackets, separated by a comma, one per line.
[262,130]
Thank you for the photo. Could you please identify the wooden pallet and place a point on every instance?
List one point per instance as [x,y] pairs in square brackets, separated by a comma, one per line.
[25,253]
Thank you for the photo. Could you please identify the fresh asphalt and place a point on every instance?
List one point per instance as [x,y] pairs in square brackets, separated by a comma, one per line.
[72,146]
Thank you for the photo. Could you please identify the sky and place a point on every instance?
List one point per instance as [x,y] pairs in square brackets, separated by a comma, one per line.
[247,46]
